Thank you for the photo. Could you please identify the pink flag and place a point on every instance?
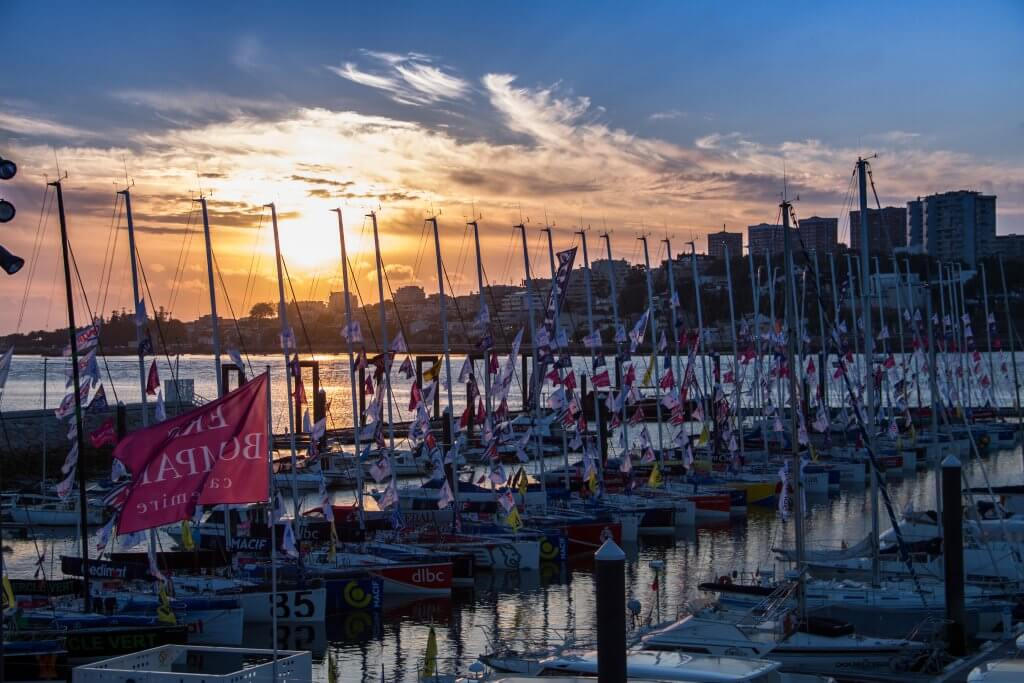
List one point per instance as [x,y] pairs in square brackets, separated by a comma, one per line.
[104,434]
[212,455]
[153,381]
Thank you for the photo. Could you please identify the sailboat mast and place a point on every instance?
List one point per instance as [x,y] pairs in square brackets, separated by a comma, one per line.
[836,317]
[654,347]
[794,403]
[988,336]
[135,291]
[535,377]
[351,369]
[700,329]
[618,343]
[869,382]
[483,304]
[558,316]
[443,311]
[899,325]
[286,334]
[385,351]
[737,382]
[755,290]
[83,501]
[823,358]
[913,323]
[590,331]
[933,391]
[673,306]
[1013,348]
[214,320]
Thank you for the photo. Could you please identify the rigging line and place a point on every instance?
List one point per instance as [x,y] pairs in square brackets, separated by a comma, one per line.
[92,317]
[107,257]
[183,258]
[255,261]
[863,429]
[298,309]
[234,317]
[156,319]
[116,230]
[41,228]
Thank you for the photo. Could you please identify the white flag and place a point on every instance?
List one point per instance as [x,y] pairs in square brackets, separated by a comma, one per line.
[445,498]
[288,542]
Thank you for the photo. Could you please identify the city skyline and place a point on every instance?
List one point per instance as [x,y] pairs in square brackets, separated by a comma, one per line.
[615,122]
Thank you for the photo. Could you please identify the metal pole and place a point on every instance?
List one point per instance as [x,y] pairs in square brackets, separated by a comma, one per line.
[737,383]
[700,328]
[933,390]
[755,287]
[352,370]
[283,313]
[869,351]
[213,296]
[270,518]
[673,305]
[385,351]
[913,324]
[483,303]
[618,344]
[535,377]
[443,311]
[590,331]
[794,406]
[1013,351]
[988,339]
[654,348]
[558,316]
[83,501]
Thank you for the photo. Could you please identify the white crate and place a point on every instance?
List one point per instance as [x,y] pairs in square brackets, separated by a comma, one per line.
[198,664]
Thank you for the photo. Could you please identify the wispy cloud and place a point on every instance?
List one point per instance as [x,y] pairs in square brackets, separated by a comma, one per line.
[36,126]
[411,78]
[669,115]
[199,103]
[552,150]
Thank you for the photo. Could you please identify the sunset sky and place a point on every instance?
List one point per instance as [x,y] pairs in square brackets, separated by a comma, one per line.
[667,117]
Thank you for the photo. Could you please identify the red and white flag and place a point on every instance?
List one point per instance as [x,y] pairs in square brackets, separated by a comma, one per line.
[215,454]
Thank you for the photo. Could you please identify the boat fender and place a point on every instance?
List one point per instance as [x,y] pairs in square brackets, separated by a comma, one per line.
[724,580]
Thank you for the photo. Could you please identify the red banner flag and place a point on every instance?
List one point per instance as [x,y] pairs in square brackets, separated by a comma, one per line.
[104,434]
[153,380]
[212,455]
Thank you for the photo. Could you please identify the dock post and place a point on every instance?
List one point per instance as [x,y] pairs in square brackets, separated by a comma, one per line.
[953,554]
[610,571]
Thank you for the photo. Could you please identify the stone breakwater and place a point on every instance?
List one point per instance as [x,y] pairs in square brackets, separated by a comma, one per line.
[30,437]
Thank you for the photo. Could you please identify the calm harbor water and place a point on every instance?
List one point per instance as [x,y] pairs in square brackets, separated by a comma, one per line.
[389,645]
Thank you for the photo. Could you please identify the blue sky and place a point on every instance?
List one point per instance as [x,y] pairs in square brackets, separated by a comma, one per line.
[681,115]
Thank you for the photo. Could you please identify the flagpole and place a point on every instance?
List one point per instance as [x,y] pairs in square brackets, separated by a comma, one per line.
[558,316]
[618,344]
[654,349]
[286,336]
[443,306]
[385,351]
[83,501]
[351,369]
[536,378]
[273,529]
